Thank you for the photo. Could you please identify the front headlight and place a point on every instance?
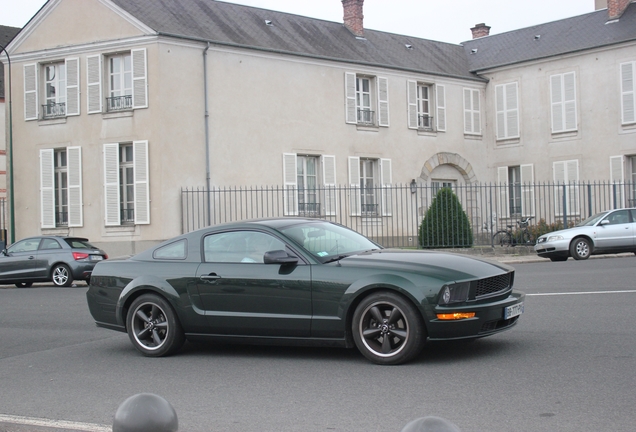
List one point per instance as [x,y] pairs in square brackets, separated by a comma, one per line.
[454,293]
[555,238]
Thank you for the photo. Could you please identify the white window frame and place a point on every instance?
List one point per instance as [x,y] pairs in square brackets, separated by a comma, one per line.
[112,215]
[327,193]
[526,180]
[563,102]
[628,95]
[507,111]
[566,173]
[382,182]
[47,187]
[378,93]
[34,90]
[472,111]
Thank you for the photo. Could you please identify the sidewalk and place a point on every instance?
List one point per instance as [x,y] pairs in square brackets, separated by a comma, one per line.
[515,254]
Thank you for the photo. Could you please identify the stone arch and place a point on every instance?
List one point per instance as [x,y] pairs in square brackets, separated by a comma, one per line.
[453,159]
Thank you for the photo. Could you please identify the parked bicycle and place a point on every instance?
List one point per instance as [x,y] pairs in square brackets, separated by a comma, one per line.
[508,237]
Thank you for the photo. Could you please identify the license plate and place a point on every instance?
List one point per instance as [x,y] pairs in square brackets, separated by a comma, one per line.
[513,311]
[96,257]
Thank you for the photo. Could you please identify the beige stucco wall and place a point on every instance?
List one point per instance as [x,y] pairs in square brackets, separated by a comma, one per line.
[599,135]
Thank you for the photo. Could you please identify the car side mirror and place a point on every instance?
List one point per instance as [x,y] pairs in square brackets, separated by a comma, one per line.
[605,222]
[279,257]
[4,252]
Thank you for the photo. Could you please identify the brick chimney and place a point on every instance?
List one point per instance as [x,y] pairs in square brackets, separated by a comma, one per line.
[353,17]
[615,8]
[480,30]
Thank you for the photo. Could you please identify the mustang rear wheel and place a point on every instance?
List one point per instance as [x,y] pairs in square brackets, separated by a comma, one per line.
[61,276]
[153,326]
[580,249]
[388,329]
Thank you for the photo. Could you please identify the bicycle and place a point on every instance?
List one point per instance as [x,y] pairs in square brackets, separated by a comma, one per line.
[508,237]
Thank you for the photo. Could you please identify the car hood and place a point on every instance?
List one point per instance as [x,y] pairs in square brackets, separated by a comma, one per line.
[443,265]
[572,232]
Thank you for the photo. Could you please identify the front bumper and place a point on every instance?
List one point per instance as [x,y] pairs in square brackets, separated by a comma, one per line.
[488,319]
[558,248]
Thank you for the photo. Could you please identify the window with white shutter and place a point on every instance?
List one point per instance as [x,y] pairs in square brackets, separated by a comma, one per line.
[420,105]
[30,92]
[366,100]
[527,189]
[566,179]
[47,189]
[507,111]
[290,193]
[329,182]
[628,100]
[111,184]
[386,187]
[61,187]
[472,111]
[142,191]
[617,178]
[354,182]
[75,210]
[563,102]
[94,83]
[72,87]
[139,78]
[440,91]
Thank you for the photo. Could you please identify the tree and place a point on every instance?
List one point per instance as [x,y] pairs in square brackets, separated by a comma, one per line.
[445,223]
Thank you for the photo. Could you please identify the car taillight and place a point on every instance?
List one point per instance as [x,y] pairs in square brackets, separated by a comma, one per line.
[79,256]
[105,256]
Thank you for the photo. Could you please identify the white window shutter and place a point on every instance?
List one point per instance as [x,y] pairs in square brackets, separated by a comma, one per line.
[527,190]
[354,182]
[512,110]
[628,100]
[500,109]
[290,191]
[140,80]
[383,102]
[47,188]
[411,93]
[559,175]
[569,101]
[94,84]
[572,171]
[476,111]
[504,198]
[351,114]
[329,182]
[556,98]
[30,92]
[440,91]
[111,184]
[617,177]
[72,87]
[142,188]
[468,115]
[75,210]
[387,187]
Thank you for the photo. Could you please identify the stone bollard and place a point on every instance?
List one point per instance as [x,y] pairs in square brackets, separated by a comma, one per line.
[145,412]
[430,424]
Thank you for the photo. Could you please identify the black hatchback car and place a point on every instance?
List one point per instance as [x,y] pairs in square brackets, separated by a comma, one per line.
[60,260]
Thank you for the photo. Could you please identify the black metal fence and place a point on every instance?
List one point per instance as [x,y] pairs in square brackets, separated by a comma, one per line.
[391,215]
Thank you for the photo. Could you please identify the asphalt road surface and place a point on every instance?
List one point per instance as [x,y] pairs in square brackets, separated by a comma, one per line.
[567,366]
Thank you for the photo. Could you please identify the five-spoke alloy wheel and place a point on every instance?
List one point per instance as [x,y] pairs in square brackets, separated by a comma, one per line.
[153,326]
[61,276]
[388,329]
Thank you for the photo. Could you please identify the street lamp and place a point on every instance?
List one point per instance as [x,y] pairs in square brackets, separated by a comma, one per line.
[11,201]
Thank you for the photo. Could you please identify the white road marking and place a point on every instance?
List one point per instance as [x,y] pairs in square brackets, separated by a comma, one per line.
[60,424]
[581,293]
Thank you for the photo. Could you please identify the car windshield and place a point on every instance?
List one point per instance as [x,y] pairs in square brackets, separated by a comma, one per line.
[327,241]
[79,243]
[592,219]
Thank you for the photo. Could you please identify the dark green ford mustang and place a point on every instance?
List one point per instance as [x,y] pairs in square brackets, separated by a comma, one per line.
[300,281]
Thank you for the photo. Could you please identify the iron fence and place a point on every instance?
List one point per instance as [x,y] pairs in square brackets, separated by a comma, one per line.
[392,215]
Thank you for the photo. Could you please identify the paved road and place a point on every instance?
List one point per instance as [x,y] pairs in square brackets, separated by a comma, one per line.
[567,366]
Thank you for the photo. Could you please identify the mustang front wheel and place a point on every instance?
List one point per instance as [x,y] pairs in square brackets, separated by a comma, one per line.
[153,327]
[387,329]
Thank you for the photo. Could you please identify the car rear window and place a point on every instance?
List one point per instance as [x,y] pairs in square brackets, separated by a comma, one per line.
[79,243]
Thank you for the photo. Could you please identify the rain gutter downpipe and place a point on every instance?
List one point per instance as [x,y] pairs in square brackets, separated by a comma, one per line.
[207,132]
[11,197]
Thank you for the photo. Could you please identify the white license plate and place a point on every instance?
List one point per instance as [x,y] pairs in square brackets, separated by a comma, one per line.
[96,258]
[513,311]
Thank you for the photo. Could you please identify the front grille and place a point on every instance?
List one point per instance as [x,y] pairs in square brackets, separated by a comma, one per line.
[493,285]
[491,326]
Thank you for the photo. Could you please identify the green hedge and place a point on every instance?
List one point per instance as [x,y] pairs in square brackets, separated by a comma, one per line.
[445,223]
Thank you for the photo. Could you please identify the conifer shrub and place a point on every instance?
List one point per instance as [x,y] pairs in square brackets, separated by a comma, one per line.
[445,224]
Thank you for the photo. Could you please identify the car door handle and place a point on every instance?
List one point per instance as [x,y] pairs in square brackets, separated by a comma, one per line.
[210,277]
[31,257]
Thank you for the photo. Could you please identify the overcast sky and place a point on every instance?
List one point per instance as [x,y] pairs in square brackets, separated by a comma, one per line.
[442,20]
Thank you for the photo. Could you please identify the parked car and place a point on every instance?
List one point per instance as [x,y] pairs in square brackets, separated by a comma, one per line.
[300,281]
[60,260]
[611,231]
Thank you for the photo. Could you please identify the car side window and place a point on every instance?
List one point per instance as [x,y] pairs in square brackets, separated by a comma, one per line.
[49,244]
[239,246]
[176,250]
[28,245]
[618,217]
[633,212]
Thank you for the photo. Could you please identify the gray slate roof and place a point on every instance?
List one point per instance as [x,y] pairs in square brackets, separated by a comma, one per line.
[237,25]
[558,37]
[6,34]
